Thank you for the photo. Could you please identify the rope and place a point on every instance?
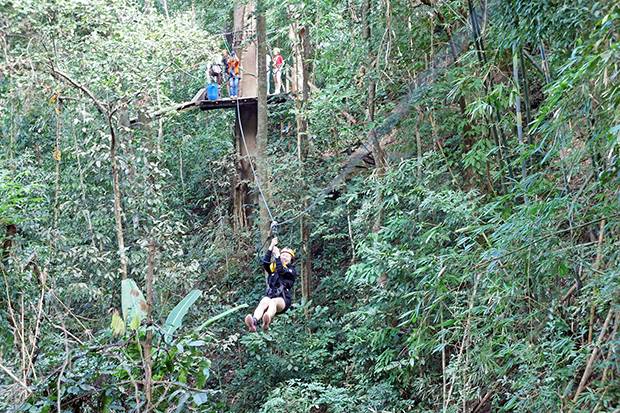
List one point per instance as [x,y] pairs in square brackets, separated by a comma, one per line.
[245,145]
[275,224]
[304,211]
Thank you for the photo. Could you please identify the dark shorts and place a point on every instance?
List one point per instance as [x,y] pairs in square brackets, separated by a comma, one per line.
[285,294]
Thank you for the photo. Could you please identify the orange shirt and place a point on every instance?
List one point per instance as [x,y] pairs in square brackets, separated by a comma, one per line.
[233,65]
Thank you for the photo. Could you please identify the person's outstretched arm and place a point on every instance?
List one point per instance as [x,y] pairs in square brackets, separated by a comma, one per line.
[266,261]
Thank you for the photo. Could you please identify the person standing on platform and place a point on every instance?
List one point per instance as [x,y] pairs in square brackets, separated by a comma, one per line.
[234,74]
[225,78]
[216,75]
[278,63]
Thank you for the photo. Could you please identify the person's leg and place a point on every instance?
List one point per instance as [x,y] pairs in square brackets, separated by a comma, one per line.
[276,305]
[251,323]
[278,81]
[262,307]
[252,319]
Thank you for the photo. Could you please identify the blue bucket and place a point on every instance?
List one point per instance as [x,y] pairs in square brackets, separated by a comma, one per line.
[212,91]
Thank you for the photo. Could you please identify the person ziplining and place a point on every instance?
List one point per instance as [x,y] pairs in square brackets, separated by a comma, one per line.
[281,275]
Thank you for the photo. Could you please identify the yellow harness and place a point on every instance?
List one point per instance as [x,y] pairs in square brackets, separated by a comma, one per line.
[272,267]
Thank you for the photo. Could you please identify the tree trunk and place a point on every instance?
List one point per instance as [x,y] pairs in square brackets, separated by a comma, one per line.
[245,45]
[154,210]
[262,122]
[148,342]
[118,209]
[246,120]
[300,85]
[7,242]
[377,152]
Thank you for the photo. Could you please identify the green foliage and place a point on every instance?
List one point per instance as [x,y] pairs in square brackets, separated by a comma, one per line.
[15,198]
[474,273]
[302,397]
[175,318]
[133,303]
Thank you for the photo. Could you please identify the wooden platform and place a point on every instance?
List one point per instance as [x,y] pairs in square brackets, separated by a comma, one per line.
[227,103]
[199,102]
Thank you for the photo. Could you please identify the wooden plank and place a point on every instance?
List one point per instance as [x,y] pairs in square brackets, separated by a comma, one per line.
[199,95]
[197,102]
[227,103]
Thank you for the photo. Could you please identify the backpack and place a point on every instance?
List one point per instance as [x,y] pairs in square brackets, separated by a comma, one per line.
[216,69]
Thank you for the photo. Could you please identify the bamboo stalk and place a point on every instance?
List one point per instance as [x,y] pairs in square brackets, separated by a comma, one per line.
[418,141]
[444,383]
[515,75]
[37,329]
[57,158]
[22,327]
[350,235]
[593,356]
[606,369]
[14,377]
[62,370]
[526,93]
[597,261]
[466,331]
[545,63]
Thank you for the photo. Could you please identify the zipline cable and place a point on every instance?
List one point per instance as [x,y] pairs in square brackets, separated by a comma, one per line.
[274,223]
[256,179]
[273,227]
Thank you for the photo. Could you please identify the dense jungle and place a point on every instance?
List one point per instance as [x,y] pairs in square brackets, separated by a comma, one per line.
[402,206]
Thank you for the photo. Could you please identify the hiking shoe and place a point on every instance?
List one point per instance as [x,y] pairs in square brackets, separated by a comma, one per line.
[251,323]
[266,321]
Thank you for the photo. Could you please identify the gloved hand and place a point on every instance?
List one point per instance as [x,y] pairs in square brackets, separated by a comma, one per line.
[274,242]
